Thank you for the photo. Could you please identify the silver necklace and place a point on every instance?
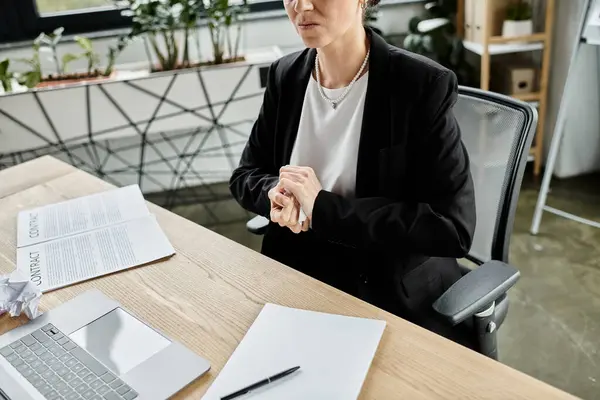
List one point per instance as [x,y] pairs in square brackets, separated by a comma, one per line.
[334,102]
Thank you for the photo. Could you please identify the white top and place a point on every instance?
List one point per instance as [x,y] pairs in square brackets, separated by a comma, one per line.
[328,139]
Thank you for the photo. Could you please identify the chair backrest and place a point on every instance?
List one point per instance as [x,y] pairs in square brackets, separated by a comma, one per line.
[497,131]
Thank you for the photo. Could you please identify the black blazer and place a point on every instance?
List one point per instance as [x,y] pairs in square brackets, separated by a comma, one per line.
[396,243]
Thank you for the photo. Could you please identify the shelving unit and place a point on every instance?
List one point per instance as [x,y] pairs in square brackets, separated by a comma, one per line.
[491,45]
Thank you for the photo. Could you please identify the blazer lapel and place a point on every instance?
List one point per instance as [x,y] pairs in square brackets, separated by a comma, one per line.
[295,88]
[375,130]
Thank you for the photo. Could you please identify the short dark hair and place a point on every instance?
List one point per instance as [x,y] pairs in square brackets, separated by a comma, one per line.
[372,3]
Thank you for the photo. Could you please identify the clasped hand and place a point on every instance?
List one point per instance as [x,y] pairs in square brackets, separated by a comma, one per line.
[297,189]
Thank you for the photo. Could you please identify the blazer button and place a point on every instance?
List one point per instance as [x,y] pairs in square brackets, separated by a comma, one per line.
[364,278]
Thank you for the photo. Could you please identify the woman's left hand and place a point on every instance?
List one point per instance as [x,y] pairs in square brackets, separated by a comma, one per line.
[303,184]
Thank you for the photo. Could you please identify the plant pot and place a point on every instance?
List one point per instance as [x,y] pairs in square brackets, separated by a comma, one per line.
[517,28]
[195,121]
[180,66]
[70,79]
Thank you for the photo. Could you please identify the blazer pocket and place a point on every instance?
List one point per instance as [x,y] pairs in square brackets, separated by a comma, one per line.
[423,283]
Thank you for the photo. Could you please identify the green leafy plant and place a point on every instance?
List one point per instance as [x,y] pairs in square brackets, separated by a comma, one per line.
[222,17]
[434,36]
[51,41]
[158,20]
[6,76]
[520,10]
[88,52]
[33,77]
[67,59]
[189,16]
[113,53]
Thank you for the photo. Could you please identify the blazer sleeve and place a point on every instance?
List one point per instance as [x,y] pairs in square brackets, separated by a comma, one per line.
[256,173]
[441,220]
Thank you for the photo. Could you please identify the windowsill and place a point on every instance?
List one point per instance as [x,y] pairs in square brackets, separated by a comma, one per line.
[252,17]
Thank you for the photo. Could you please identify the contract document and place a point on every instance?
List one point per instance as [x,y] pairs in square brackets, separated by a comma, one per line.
[83,238]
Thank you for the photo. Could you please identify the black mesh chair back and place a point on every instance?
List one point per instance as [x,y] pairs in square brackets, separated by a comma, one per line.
[497,131]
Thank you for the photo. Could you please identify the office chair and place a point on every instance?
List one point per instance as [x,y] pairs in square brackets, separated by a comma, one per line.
[497,131]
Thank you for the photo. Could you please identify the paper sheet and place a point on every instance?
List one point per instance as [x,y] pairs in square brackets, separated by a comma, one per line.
[80,215]
[334,353]
[301,216]
[61,262]
[19,295]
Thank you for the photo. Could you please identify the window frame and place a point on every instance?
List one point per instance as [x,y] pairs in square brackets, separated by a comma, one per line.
[22,21]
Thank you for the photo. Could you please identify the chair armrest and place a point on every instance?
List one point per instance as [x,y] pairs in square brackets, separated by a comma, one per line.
[476,290]
[257,225]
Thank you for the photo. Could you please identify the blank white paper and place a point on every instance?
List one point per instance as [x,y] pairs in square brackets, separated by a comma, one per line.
[334,353]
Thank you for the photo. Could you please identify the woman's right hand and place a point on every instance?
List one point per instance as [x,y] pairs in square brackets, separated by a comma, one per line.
[285,209]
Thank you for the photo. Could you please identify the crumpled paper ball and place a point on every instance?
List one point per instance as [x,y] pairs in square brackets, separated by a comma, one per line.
[19,295]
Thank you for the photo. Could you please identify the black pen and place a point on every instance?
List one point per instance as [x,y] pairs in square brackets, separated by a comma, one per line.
[260,384]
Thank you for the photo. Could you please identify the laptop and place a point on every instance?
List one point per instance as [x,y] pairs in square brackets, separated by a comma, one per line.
[92,348]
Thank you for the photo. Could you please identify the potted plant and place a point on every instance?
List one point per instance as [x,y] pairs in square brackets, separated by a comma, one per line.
[518,20]
[222,18]
[434,36]
[157,21]
[205,108]
[48,43]
[32,77]
[113,53]
[63,75]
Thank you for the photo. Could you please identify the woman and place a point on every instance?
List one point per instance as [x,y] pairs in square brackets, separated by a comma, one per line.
[360,137]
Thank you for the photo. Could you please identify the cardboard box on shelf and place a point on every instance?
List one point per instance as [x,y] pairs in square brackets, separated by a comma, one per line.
[521,80]
[514,79]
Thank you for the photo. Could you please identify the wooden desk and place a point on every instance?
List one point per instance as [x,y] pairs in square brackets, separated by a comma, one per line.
[224,287]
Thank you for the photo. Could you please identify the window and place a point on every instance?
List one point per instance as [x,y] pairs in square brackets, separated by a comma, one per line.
[26,19]
[52,6]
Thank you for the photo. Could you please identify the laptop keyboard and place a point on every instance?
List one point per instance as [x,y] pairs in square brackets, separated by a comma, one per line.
[59,369]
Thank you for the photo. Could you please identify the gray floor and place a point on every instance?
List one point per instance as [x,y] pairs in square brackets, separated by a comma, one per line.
[552,331]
